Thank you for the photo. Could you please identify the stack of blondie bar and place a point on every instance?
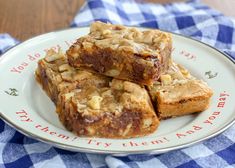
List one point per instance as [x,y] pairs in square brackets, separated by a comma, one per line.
[118,82]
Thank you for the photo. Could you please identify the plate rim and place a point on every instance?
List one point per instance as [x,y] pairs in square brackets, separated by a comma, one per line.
[107,151]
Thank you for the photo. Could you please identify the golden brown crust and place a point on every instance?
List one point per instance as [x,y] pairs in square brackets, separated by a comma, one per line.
[56,76]
[93,105]
[123,53]
[178,93]
[181,99]
[120,110]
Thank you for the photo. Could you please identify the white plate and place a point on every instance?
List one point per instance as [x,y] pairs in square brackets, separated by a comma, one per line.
[26,107]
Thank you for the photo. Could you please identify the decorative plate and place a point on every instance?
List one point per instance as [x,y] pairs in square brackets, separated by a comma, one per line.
[26,107]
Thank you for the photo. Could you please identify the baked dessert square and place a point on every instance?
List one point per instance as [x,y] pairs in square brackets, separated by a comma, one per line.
[178,93]
[123,53]
[120,110]
[56,76]
[94,105]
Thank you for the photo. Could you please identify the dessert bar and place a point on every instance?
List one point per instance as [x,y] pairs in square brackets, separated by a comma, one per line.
[123,53]
[178,93]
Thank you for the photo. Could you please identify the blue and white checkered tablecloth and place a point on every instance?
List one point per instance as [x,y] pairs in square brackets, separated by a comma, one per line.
[191,19]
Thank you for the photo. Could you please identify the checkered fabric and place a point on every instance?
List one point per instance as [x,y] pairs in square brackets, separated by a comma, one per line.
[191,19]
[6,42]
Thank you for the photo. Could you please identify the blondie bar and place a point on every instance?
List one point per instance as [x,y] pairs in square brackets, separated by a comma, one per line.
[178,93]
[123,53]
[56,76]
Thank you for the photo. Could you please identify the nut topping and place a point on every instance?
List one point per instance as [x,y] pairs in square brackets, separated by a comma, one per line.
[64,67]
[127,38]
[54,57]
[94,102]
[166,79]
